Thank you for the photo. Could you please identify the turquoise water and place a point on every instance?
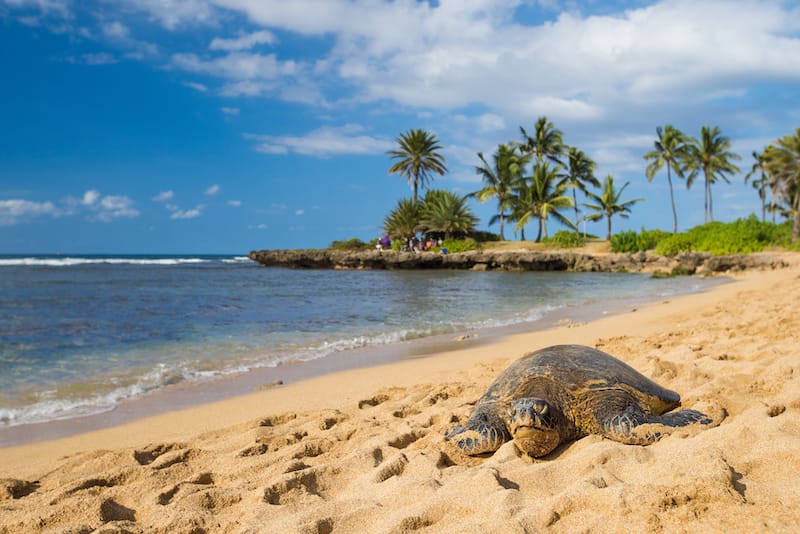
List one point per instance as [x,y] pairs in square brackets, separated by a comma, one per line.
[78,335]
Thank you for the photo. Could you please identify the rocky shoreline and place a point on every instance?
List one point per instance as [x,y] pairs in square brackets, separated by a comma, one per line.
[687,263]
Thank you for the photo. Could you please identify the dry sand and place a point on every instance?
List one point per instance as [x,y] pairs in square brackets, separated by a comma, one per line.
[363,450]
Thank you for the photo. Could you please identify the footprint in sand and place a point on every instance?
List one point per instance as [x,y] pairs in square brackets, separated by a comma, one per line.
[297,486]
[148,455]
[13,488]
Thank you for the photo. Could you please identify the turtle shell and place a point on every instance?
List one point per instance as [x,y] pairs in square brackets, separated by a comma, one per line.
[566,372]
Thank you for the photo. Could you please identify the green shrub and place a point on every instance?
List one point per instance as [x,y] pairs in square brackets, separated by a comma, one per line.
[674,244]
[630,242]
[353,244]
[460,245]
[741,236]
[649,239]
[624,242]
[483,237]
[565,239]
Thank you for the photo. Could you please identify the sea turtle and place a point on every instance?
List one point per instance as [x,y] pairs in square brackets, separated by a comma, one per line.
[564,392]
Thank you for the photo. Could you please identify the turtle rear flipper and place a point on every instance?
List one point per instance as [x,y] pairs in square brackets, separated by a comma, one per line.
[634,427]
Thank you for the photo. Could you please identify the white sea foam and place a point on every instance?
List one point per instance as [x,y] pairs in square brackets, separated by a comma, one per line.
[237,259]
[73,261]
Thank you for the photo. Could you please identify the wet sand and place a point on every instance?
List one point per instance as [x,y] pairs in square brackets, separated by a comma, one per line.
[363,449]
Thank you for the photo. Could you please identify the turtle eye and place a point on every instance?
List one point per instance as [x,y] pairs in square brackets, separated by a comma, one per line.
[541,407]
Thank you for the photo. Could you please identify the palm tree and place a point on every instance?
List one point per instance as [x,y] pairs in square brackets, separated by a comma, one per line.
[446,213]
[608,203]
[501,177]
[403,221]
[669,150]
[782,161]
[547,141]
[541,197]
[580,172]
[760,184]
[418,158]
[713,156]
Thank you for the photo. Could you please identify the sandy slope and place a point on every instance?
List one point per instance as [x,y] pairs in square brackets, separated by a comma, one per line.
[363,451]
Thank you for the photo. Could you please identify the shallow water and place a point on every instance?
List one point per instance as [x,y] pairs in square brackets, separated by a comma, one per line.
[80,335]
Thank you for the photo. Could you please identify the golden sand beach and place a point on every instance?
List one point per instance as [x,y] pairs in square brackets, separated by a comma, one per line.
[363,450]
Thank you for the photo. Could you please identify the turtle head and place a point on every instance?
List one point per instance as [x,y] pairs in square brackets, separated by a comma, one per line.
[533,423]
[483,432]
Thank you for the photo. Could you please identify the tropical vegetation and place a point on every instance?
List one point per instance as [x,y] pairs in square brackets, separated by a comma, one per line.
[782,162]
[540,178]
[670,150]
[441,213]
[609,203]
[541,197]
[418,157]
[501,178]
[712,156]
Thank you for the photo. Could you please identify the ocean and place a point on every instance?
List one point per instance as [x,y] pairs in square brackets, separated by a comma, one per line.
[81,334]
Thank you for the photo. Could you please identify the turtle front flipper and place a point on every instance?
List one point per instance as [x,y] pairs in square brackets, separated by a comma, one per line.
[634,427]
[484,432]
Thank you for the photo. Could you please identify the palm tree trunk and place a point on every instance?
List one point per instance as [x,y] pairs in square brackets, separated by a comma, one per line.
[539,234]
[796,225]
[575,201]
[608,236]
[705,202]
[672,200]
[710,204]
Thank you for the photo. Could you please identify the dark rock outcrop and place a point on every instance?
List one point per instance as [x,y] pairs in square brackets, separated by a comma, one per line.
[688,263]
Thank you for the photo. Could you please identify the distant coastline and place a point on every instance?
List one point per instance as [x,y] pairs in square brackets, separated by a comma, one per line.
[522,260]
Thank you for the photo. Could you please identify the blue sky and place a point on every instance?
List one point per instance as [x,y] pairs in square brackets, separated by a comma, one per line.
[222,126]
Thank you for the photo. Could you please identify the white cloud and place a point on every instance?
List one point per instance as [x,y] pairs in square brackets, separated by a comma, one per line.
[237,66]
[196,86]
[102,208]
[243,42]
[114,207]
[164,196]
[213,190]
[299,212]
[174,14]
[59,7]
[187,214]
[99,58]
[230,111]
[90,197]
[16,211]
[573,68]
[116,30]
[489,122]
[234,203]
[323,142]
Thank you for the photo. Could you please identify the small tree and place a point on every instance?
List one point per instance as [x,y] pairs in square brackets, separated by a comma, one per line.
[579,174]
[541,197]
[403,222]
[711,155]
[446,213]
[546,141]
[418,158]
[608,203]
[782,161]
[500,177]
[670,151]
